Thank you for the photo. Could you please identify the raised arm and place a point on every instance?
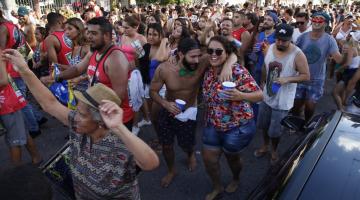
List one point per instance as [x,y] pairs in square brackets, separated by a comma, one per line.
[226,72]
[42,95]
[144,156]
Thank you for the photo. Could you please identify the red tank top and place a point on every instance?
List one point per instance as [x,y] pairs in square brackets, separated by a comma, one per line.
[15,40]
[237,33]
[64,55]
[11,99]
[103,78]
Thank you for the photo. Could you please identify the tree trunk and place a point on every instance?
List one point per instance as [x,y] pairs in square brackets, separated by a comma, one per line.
[9,5]
[37,10]
[267,2]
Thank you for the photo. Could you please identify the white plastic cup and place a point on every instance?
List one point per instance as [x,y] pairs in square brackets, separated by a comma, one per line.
[180,104]
[227,85]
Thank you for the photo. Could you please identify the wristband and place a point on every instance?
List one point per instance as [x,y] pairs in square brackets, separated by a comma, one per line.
[58,79]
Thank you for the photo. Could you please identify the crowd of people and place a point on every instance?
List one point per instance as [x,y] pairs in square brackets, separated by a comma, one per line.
[247,66]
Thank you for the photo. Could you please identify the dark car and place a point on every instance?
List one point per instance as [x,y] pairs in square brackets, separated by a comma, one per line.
[323,163]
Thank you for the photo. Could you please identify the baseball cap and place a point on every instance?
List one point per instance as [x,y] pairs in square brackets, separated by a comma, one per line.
[284,32]
[22,11]
[355,35]
[348,16]
[95,94]
[322,14]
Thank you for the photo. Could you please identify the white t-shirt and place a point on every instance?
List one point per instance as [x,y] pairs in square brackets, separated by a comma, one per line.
[297,33]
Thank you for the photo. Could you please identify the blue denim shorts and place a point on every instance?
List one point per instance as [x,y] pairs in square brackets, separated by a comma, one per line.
[312,90]
[232,141]
[16,132]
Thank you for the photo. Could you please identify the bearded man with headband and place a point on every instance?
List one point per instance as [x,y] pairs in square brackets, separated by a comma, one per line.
[182,81]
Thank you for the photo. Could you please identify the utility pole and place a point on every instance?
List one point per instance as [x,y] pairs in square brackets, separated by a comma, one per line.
[37,10]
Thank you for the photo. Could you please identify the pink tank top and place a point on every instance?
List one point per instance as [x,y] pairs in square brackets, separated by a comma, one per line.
[129,52]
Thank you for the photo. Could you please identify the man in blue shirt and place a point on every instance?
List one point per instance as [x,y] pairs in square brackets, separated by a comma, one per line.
[317,46]
[263,40]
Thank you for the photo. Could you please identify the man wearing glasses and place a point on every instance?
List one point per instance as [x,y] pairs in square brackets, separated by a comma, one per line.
[317,46]
[302,24]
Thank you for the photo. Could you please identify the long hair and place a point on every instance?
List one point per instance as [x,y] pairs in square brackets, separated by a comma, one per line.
[78,24]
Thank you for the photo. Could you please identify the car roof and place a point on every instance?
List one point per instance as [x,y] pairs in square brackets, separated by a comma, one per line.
[331,168]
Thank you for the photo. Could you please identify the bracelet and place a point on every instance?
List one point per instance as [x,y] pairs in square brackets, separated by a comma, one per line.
[58,79]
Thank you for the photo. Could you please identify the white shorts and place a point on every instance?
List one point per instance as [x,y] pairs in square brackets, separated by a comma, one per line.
[147,91]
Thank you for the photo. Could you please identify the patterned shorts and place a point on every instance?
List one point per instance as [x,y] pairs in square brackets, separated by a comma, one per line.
[169,127]
[312,90]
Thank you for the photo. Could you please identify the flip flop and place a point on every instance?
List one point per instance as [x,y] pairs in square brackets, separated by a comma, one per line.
[273,161]
[258,153]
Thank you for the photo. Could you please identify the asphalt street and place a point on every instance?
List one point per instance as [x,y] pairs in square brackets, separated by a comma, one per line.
[187,185]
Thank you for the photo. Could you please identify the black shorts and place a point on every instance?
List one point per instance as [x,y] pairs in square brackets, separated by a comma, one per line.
[170,126]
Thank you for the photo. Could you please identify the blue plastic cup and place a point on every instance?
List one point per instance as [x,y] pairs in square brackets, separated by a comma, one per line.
[180,104]
[275,87]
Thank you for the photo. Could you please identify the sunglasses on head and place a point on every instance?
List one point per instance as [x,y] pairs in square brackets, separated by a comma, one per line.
[318,20]
[218,52]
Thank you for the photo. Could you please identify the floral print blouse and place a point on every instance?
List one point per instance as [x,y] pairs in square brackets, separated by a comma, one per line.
[223,114]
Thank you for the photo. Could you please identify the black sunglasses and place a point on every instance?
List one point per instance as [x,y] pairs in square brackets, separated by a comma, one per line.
[218,52]
[300,23]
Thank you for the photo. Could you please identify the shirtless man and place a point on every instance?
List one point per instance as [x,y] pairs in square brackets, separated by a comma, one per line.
[182,81]
[27,26]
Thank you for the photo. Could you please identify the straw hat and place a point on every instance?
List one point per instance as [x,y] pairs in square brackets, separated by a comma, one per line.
[95,94]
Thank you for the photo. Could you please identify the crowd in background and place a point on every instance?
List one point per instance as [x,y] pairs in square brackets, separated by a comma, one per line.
[106,74]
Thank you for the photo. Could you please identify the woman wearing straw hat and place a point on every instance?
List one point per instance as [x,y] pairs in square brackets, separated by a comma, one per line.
[103,150]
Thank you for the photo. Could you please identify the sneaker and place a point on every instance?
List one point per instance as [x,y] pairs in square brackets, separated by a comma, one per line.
[144,123]
[135,130]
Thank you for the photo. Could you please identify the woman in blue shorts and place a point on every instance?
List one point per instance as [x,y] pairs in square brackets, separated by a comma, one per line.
[230,125]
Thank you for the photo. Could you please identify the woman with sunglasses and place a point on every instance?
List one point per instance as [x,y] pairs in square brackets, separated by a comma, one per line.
[229,121]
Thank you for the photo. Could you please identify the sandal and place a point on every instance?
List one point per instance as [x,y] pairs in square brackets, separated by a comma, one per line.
[274,160]
[259,153]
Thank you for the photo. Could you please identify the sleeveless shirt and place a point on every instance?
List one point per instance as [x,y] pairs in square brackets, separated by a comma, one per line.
[103,78]
[276,67]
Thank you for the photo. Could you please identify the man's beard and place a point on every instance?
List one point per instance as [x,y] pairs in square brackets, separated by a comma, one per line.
[266,27]
[225,32]
[188,66]
[281,48]
[97,47]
